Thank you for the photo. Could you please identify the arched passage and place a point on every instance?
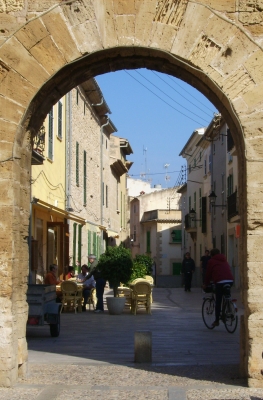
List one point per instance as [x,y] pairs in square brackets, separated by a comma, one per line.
[72,41]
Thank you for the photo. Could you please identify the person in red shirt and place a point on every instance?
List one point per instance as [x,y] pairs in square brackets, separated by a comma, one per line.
[218,271]
[51,277]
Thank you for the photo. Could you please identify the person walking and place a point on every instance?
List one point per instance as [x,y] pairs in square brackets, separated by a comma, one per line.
[218,271]
[100,282]
[188,267]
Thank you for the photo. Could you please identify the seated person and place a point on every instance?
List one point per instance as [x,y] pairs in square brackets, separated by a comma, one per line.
[51,277]
[88,284]
[71,273]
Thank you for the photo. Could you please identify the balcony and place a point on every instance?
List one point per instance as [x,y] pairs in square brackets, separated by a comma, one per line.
[38,149]
[189,224]
[232,206]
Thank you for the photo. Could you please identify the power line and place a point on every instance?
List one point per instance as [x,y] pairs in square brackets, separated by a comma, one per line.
[169,96]
[176,83]
[158,76]
[198,122]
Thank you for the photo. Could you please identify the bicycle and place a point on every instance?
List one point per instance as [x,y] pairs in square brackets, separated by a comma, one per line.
[228,310]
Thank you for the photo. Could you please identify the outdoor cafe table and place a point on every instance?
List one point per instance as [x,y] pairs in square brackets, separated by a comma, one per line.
[80,289]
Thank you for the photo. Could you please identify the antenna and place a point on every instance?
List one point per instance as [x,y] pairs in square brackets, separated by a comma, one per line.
[167,177]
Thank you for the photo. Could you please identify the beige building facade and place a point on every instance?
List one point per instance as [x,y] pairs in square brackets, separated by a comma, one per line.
[214,46]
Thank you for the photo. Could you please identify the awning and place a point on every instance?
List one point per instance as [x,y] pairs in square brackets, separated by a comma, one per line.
[112,233]
[58,211]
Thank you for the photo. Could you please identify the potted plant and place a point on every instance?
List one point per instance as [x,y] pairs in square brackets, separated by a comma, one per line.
[116,267]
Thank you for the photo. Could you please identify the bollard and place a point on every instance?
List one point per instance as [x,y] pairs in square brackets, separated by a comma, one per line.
[143,347]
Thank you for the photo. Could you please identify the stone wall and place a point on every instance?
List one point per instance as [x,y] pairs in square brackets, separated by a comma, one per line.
[49,47]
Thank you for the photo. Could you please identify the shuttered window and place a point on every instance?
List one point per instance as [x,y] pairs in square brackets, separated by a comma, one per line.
[50,134]
[60,120]
[148,242]
[77,163]
[177,267]
[176,236]
[85,178]
[204,200]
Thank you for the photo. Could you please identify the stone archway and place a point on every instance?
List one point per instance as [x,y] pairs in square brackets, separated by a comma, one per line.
[47,49]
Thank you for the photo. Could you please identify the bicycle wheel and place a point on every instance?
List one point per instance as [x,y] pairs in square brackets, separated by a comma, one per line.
[208,312]
[230,317]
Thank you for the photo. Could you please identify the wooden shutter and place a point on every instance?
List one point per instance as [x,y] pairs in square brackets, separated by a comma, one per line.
[204,215]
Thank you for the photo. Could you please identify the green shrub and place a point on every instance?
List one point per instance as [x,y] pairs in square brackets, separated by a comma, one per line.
[116,266]
[146,261]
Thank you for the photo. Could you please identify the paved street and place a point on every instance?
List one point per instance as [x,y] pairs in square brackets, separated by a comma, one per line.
[93,356]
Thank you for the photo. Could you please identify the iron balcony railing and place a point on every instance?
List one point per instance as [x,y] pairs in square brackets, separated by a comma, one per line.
[38,147]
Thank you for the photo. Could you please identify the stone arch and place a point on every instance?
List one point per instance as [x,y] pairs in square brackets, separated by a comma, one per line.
[60,44]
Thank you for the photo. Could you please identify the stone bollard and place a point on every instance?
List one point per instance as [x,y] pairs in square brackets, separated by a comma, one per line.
[143,347]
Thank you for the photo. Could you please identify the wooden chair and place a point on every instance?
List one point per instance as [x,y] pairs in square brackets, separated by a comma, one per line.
[141,296]
[71,296]
[92,298]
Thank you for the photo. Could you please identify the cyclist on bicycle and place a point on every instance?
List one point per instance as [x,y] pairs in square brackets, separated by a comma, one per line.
[218,271]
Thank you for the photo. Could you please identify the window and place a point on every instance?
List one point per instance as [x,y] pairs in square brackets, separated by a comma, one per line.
[85,178]
[148,242]
[77,96]
[190,205]
[77,163]
[200,206]
[107,196]
[79,243]
[204,214]
[230,185]
[60,120]
[50,134]
[176,236]
[134,233]
[74,243]
[94,244]
[177,267]
[89,242]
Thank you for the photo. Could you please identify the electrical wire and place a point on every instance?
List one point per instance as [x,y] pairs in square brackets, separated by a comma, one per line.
[169,96]
[158,76]
[198,122]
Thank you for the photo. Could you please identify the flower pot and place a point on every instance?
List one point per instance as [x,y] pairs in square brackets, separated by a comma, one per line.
[115,305]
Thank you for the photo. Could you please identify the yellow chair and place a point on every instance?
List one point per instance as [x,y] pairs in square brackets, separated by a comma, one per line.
[92,298]
[141,296]
[71,296]
[149,278]
[124,291]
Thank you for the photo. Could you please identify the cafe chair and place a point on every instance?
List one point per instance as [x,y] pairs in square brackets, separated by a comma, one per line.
[149,278]
[124,291]
[92,299]
[71,297]
[141,296]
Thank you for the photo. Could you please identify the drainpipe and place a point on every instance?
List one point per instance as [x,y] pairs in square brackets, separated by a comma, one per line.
[101,175]
[68,149]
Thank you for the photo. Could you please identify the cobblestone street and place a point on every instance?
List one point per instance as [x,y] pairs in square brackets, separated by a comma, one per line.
[93,356]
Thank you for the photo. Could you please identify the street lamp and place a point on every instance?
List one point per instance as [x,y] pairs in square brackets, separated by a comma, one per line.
[212,198]
[192,214]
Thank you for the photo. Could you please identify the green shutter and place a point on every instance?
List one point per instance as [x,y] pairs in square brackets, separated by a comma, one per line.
[80,244]
[85,178]
[177,267]
[60,120]
[177,236]
[89,242]
[148,242]
[50,134]
[74,243]
[204,216]
[94,244]
[77,163]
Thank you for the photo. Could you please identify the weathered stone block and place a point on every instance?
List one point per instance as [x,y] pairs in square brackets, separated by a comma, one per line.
[32,33]
[104,11]
[61,34]
[125,29]
[10,111]
[9,87]
[87,37]
[48,55]
[221,5]
[17,57]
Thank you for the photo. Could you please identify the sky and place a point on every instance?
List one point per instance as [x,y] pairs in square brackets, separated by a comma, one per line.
[157,113]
